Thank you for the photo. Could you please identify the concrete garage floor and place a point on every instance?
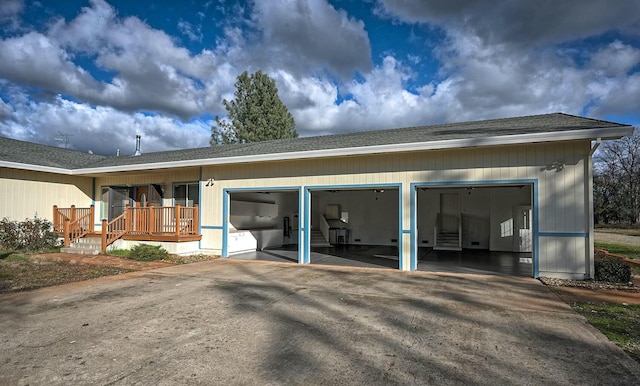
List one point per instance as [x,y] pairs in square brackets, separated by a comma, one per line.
[243,323]
[467,261]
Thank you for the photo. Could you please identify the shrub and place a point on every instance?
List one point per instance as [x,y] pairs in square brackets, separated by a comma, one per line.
[145,252]
[30,235]
[612,269]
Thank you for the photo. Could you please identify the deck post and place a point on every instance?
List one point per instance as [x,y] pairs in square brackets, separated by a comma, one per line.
[56,219]
[127,218]
[91,218]
[177,214]
[151,220]
[72,214]
[195,229]
[104,235]
[66,232]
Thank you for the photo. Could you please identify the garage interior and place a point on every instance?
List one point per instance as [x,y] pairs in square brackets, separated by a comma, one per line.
[472,229]
[475,229]
[262,221]
[355,227]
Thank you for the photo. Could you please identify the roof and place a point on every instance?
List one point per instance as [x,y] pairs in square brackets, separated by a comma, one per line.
[12,150]
[527,129]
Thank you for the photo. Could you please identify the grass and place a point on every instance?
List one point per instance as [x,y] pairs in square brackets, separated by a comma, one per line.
[629,251]
[118,252]
[619,323]
[19,272]
[175,259]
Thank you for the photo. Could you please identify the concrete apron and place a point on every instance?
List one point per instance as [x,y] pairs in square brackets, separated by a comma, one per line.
[238,322]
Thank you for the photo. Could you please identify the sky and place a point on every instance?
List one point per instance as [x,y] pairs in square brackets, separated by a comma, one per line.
[91,75]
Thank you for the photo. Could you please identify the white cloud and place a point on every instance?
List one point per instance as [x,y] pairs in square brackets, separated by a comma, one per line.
[36,60]
[311,34]
[521,23]
[190,30]
[101,129]
[151,72]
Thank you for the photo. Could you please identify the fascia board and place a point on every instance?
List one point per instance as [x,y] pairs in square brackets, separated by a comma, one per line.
[35,168]
[604,133]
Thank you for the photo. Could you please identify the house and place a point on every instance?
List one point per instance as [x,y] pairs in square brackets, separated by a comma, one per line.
[520,185]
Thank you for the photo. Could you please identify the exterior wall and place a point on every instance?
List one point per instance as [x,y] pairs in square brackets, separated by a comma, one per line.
[559,174]
[558,170]
[25,194]
[183,249]
[166,178]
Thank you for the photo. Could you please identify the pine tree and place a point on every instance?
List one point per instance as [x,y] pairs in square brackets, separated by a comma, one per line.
[256,114]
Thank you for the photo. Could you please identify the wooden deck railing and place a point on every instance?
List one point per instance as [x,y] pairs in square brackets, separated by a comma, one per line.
[175,221]
[73,223]
[113,230]
[150,220]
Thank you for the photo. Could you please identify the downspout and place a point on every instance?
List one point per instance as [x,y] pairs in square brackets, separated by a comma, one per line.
[590,274]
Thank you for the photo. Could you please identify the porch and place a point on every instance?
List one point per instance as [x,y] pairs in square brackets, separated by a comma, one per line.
[164,224]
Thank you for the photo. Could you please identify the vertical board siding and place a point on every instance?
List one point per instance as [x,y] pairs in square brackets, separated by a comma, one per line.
[560,192]
[25,194]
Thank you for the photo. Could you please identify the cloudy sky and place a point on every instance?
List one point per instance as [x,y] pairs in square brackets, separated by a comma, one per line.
[99,72]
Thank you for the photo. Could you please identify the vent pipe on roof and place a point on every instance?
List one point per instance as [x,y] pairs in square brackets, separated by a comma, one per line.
[138,152]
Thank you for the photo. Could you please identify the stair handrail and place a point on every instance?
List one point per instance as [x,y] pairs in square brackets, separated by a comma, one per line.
[115,229]
[80,227]
[324,227]
[73,223]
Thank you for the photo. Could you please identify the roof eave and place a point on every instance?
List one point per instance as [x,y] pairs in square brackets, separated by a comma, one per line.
[35,168]
[602,133]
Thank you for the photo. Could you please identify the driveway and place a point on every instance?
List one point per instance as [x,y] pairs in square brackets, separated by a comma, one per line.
[239,322]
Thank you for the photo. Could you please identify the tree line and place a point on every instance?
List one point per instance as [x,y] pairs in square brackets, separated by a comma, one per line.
[616,181]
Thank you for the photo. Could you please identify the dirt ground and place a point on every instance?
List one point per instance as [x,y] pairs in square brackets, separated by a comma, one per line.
[237,322]
[569,295]
[106,261]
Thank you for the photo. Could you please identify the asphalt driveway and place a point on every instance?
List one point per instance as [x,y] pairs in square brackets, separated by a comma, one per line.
[238,322]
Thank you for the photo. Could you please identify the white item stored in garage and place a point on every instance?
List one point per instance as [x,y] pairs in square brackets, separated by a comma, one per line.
[241,241]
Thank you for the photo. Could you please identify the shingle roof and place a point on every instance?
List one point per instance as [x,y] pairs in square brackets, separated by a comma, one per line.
[26,152]
[12,150]
[450,131]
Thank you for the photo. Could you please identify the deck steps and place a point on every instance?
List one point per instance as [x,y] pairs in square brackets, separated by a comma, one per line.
[84,246]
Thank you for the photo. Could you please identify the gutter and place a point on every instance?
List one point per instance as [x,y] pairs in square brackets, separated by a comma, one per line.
[35,168]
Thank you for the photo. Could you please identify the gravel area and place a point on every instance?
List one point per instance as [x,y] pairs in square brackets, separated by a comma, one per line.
[590,284]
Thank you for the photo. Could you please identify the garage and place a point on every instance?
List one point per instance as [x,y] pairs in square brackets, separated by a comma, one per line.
[356,225]
[481,228]
[264,221]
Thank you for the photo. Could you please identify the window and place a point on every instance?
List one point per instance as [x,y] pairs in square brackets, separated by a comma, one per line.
[186,194]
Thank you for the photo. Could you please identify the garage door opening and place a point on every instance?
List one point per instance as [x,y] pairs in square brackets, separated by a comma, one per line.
[475,229]
[263,225]
[355,227]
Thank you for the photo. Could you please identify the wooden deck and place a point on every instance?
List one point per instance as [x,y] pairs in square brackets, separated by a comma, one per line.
[166,223]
